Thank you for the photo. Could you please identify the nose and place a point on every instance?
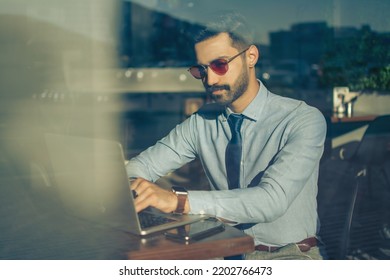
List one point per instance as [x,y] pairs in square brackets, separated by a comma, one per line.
[211,78]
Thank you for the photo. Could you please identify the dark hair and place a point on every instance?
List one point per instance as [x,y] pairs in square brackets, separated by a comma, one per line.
[231,23]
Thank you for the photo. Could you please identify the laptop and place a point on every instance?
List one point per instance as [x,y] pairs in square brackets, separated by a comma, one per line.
[92,183]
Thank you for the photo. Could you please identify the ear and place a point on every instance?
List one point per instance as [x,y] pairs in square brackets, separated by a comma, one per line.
[253,56]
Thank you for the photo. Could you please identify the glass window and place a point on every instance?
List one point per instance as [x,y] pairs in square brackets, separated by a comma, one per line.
[117,70]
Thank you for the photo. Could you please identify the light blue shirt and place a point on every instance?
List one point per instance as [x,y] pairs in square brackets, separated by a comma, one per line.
[283,140]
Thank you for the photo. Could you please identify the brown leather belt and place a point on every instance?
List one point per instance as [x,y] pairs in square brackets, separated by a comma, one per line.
[304,245]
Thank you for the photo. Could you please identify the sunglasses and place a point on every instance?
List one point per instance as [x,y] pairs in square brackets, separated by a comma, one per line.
[219,66]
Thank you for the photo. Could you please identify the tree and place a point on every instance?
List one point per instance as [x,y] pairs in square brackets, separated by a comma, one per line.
[360,61]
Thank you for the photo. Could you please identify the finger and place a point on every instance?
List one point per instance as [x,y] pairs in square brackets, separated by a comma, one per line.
[141,206]
[135,182]
[143,201]
[159,198]
[145,194]
[131,180]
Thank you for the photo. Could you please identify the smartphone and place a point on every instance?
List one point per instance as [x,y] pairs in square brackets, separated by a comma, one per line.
[195,231]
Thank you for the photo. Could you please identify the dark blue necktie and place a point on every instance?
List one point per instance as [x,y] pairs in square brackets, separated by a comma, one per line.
[233,151]
[233,160]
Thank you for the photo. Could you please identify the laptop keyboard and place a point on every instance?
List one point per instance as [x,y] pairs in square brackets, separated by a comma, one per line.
[147,220]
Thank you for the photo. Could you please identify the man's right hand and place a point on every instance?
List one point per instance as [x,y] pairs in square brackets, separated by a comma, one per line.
[150,194]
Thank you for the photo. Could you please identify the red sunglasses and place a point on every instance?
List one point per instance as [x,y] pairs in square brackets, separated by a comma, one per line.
[219,66]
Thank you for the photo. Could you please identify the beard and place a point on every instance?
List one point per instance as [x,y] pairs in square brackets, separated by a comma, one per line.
[232,93]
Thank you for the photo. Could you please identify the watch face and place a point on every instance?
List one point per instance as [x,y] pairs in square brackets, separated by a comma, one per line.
[177,189]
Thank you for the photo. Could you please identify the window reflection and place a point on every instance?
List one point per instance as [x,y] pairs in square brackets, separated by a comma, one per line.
[117,70]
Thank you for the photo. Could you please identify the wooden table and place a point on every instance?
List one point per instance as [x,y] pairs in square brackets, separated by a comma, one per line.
[227,243]
[356,118]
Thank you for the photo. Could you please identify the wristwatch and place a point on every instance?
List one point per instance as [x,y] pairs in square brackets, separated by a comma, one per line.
[181,194]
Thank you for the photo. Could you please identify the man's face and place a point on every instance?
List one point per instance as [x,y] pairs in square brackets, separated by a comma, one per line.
[223,89]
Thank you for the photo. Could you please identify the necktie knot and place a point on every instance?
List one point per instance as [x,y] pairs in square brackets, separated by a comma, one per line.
[235,122]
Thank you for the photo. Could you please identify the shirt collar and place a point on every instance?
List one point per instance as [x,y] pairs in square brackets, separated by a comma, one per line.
[254,109]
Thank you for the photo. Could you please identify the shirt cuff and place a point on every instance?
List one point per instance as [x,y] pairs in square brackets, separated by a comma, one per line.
[201,202]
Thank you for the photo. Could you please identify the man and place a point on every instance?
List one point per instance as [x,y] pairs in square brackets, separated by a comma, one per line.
[271,192]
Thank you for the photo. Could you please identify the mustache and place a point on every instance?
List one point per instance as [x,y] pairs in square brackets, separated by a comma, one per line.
[210,89]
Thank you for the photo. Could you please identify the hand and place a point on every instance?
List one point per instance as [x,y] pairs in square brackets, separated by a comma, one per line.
[150,194]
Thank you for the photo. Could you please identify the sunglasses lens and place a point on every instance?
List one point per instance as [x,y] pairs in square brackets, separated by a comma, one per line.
[219,66]
[197,71]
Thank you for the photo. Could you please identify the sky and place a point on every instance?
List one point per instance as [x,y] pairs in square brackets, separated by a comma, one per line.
[275,15]
[265,15]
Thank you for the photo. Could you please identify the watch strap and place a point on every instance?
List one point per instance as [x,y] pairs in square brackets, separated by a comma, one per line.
[181,200]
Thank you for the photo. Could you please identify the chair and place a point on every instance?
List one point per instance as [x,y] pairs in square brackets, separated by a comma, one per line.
[372,152]
[374,148]
[377,133]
